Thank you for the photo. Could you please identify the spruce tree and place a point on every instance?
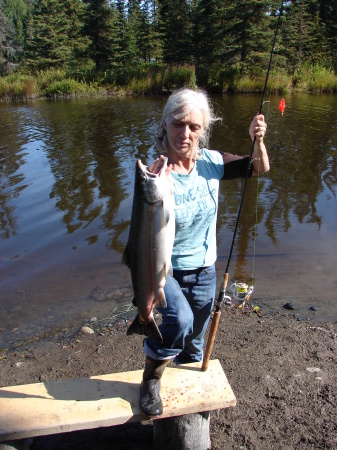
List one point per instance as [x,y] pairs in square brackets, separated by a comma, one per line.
[303,33]
[208,39]
[99,27]
[122,36]
[9,45]
[16,11]
[248,35]
[78,42]
[175,26]
[144,32]
[54,36]
[328,17]
[48,44]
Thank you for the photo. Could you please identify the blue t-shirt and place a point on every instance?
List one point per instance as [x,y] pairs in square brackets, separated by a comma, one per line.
[196,207]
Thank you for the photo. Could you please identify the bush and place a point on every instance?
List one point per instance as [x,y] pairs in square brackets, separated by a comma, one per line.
[66,86]
[46,78]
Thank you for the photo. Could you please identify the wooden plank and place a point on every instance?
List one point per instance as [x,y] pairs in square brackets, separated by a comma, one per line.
[107,400]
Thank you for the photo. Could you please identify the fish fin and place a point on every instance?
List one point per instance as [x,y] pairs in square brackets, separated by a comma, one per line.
[166,213]
[126,257]
[161,299]
[151,330]
[170,270]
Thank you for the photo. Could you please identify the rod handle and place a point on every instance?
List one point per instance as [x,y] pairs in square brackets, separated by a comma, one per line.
[210,341]
[225,281]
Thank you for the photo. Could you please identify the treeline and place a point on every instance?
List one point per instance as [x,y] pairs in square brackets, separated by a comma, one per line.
[216,43]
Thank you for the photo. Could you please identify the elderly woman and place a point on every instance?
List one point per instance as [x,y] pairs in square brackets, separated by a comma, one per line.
[196,172]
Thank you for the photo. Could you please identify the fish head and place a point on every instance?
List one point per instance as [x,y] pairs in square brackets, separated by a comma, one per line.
[149,186]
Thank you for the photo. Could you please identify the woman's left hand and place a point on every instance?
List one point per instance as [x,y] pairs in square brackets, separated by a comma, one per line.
[258,128]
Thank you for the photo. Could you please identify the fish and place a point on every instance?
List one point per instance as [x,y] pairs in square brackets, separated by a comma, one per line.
[148,250]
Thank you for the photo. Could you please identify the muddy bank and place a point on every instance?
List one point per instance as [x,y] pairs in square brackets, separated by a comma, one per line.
[282,371]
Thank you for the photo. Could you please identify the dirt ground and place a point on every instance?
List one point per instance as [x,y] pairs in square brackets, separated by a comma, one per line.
[283,372]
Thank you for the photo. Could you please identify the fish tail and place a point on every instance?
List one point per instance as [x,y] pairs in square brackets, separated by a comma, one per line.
[151,329]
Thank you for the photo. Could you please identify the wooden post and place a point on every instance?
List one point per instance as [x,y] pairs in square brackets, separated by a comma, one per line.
[187,432]
[19,444]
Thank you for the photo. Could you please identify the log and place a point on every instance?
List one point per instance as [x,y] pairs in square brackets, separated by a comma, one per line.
[19,444]
[187,432]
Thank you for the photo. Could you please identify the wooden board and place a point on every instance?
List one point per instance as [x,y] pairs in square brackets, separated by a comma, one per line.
[100,401]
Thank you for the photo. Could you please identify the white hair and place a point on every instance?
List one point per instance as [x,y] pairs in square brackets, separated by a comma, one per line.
[189,101]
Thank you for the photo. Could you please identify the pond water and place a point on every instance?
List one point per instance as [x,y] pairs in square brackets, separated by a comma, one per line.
[66,187]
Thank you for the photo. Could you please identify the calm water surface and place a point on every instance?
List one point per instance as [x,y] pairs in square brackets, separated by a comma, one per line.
[66,188]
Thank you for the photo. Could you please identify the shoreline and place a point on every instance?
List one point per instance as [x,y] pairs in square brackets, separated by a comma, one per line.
[125,313]
[114,93]
[282,371]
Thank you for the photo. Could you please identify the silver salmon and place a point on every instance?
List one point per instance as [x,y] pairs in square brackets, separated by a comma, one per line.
[149,247]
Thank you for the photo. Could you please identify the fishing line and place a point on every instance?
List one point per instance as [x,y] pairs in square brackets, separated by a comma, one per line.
[252,151]
[223,286]
[258,175]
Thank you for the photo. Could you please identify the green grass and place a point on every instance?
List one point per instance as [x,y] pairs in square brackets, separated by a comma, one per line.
[17,85]
[315,78]
[158,78]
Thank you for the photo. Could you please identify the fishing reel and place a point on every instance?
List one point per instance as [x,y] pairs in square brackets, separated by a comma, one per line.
[241,294]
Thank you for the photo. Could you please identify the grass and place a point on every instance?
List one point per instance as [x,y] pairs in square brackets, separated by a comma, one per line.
[17,85]
[158,78]
[315,78]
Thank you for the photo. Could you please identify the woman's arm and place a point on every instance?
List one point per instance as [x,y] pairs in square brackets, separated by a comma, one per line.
[260,160]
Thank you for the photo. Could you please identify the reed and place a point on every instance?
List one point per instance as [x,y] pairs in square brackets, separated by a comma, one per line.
[17,86]
[67,86]
[161,79]
[280,83]
[315,78]
[157,78]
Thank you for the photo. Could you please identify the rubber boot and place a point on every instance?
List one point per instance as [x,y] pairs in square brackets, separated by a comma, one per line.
[150,402]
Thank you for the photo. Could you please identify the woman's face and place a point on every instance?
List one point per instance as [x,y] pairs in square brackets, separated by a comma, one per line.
[183,134]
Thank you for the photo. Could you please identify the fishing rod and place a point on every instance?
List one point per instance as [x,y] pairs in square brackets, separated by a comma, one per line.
[223,287]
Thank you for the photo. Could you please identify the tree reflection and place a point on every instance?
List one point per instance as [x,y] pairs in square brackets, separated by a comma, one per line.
[303,162]
[92,147]
[11,180]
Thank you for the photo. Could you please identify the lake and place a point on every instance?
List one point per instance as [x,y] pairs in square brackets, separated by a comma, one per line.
[67,171]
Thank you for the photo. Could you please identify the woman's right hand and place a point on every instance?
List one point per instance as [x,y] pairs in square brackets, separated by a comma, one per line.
[155,167]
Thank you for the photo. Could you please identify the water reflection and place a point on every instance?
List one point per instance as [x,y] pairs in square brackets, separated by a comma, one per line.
[66,192]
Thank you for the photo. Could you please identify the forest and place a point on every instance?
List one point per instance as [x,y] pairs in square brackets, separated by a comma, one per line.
[153,46]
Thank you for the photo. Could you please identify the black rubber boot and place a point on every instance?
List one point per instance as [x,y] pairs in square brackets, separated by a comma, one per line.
[150,402]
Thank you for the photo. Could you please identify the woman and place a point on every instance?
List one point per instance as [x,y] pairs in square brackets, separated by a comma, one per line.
[196,172]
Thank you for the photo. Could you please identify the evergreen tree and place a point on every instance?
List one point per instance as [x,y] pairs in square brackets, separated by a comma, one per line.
[208,32]
[16,10]
[248,34]
[78,42]
[328,16]
[8,42]
[48,44]
[175,26]
[155,35]
[303,33]
[132,35]
[122,36]
[144,33]
[53,35]
[99,27]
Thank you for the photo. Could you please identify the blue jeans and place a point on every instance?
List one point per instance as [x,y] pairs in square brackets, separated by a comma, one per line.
[190,297]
